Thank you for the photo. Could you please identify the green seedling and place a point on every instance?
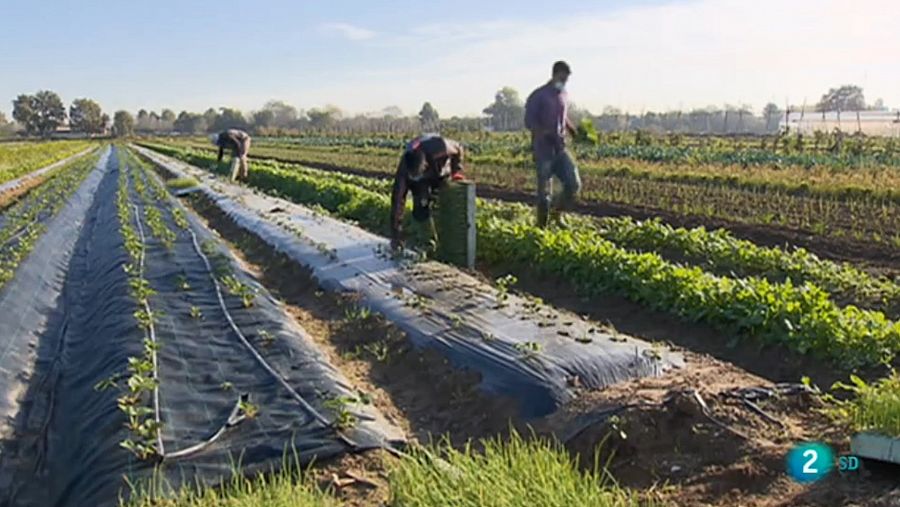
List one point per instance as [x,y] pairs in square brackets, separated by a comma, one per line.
[108,383]
[379,350]
[340,406]
[196,313]
[226,386]
[357,314]
[144,318]
[266,337]
[503,285]
[236,288]
[249,409]
[182,283]
[529,349]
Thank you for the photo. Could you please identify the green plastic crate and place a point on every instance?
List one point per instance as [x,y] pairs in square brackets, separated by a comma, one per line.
[454,223]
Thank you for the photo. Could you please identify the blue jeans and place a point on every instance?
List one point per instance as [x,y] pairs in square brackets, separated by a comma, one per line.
[563,167]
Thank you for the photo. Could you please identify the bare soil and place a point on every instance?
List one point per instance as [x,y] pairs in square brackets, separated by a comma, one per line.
[12,195]
[667,445]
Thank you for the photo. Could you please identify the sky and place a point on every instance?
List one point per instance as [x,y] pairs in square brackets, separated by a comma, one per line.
[364,55]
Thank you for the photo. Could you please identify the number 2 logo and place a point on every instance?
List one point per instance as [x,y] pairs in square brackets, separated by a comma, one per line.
[808,466]
[809,462]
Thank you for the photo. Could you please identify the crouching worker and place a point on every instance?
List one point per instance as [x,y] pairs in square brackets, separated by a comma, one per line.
[238,142]
[426,164]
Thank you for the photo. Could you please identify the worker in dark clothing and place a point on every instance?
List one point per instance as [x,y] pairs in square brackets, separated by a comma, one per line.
[546,116]
[427,162]
[238,142]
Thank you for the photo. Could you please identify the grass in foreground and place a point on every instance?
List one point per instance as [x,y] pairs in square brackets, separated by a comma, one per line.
[874,407]
[509,473]
[282,489]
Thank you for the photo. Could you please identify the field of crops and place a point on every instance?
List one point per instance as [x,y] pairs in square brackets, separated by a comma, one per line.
[270,322]
[832,203]
[19,159]
[788,295]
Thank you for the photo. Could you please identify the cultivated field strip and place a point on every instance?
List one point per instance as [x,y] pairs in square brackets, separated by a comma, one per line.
[39,173]
[522,348]
[716,251]
[843,202]
[800,315]
[178,363]
[30,284]
[21,161]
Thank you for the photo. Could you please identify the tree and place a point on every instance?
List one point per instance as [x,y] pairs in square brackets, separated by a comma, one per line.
[324,118]
[264,119]
[429,117]
[392,112]
[283,114]
[123,124]
[190,123]
[879,105]
[142,122]
[40,113]
[7,128]
[86,116]
[843,98]
[167,116]
[230,119]
[507,112]
[210,116]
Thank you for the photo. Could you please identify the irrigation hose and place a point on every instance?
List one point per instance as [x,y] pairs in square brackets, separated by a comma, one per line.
[152,332]
[234,418]
[297,397]
[256,354]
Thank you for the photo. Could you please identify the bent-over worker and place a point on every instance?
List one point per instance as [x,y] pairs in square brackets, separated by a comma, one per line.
[546,116]
[238,142]
[425,165]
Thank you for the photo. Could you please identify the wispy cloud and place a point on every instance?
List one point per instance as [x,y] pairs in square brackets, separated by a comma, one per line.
[682,55]
[347,31]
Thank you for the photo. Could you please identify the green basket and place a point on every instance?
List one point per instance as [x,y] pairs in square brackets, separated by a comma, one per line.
[454,223]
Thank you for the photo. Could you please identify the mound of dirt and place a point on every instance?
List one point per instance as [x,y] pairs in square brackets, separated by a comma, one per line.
[711,434]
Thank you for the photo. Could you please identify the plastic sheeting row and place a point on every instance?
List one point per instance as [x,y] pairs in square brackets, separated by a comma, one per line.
[521,348]
[67,322]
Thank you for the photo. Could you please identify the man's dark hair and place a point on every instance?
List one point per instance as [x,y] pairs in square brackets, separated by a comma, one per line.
[415,162]
[561,66]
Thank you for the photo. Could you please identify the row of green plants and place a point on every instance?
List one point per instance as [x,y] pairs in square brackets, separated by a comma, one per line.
[717,251]
[800,316]
[872,183]
[821,149]
[139,393]
[19,159]
[23,223]
[862,220]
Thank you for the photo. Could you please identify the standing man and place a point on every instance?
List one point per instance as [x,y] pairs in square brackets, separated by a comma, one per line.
[238,142]
[546,116]
[426,163]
